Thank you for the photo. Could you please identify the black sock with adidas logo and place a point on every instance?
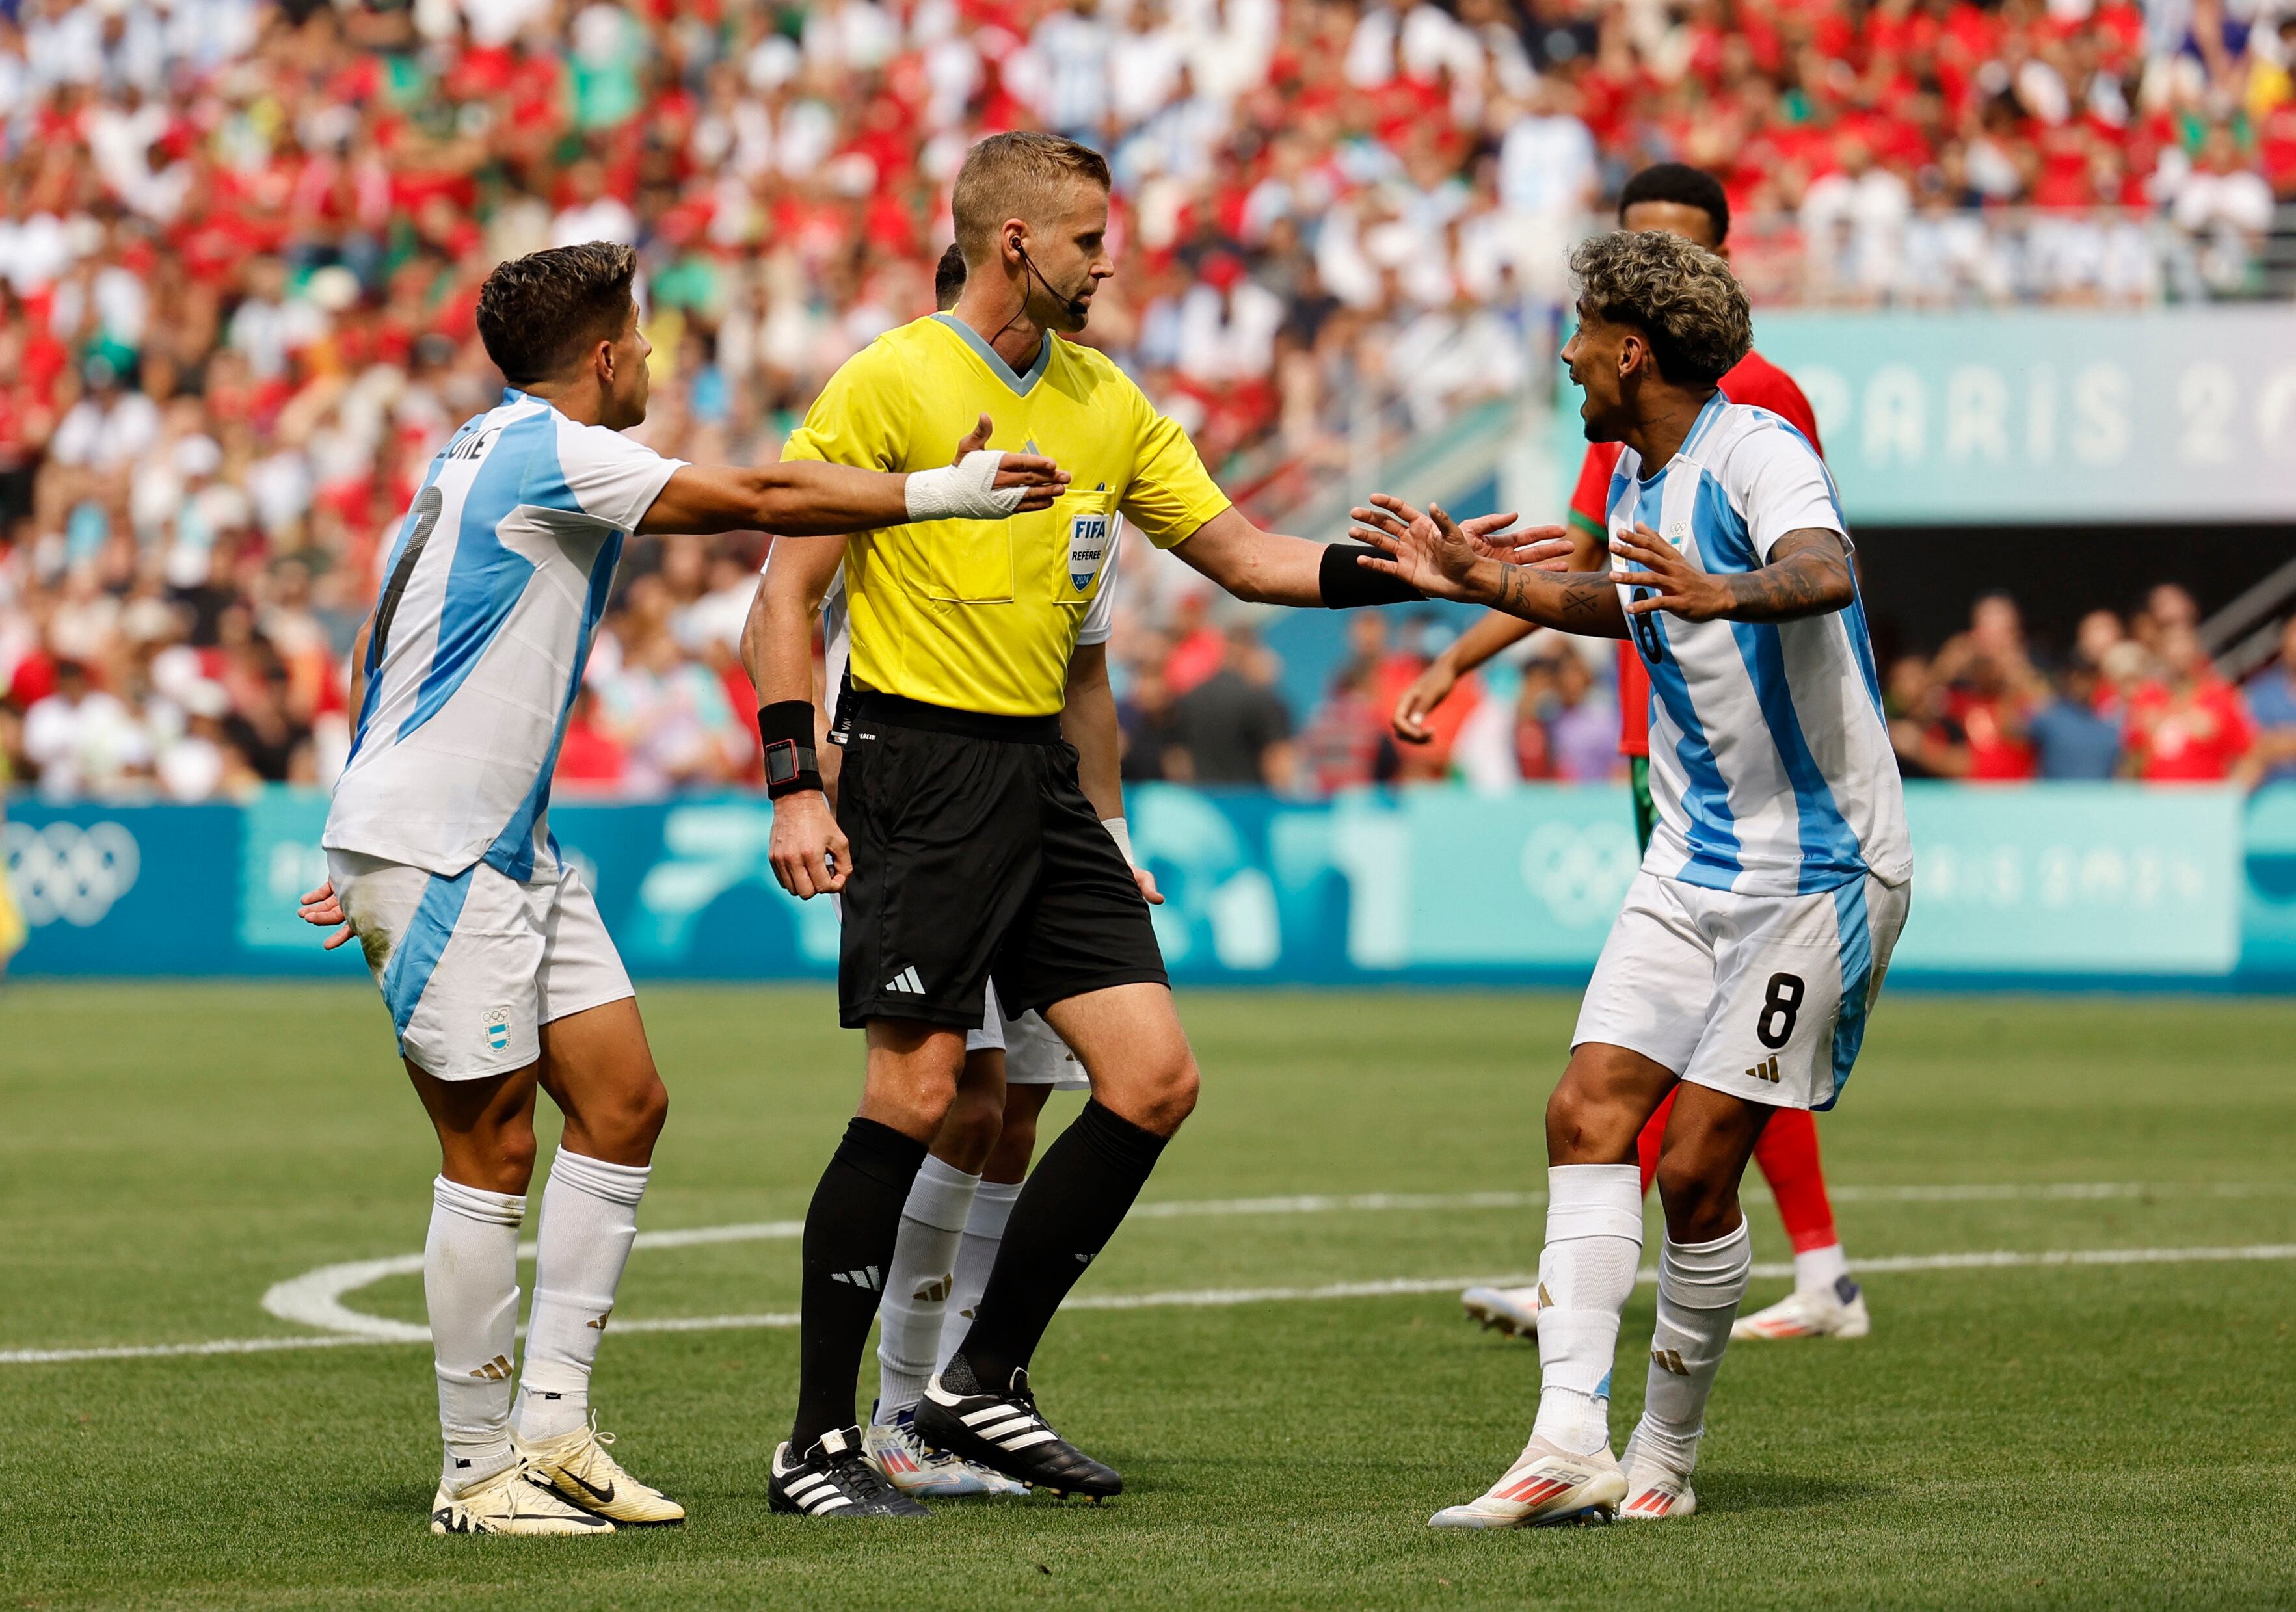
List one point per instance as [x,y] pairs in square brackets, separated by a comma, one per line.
[849,1230]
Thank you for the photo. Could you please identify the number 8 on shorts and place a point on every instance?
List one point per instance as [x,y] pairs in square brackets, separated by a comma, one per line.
[1762,996]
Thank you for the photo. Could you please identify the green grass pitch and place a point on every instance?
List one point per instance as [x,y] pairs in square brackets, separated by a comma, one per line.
[2078,1435]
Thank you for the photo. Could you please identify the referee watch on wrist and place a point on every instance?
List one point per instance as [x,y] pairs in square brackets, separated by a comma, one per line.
[792,764]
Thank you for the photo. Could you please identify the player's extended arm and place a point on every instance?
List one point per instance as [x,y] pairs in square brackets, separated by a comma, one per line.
[1808,575]
[1089,722]
[1435,554]
[801,497]
[1267,568]
[808,852]
[1490,634]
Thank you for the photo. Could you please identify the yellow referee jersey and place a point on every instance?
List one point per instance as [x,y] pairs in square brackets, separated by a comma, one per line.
[977,615]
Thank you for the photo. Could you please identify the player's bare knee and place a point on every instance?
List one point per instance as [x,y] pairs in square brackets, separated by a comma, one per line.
[1701,1202]
[1585,1126]
[971,1128]
[646,1112]
[494,1158]
[1161,1098]
[1016,1144]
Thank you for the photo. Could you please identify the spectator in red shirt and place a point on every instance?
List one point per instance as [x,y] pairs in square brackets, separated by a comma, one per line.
[2186,725]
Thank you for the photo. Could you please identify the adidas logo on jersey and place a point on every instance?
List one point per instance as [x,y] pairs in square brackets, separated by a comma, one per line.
[1768,1070]
[906,981]
[869,1278]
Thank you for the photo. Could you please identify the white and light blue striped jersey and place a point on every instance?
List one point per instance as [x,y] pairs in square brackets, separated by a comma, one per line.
[494,588]
[1771,768]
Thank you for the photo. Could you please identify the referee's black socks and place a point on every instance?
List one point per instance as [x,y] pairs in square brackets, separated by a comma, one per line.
[1075,1198]
[850,1229]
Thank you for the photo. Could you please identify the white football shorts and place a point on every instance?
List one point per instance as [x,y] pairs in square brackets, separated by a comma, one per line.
[1034,1055]
[1762,996]
[471,967]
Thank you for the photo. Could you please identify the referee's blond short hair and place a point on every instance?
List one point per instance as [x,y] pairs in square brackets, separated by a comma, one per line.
[1018,175]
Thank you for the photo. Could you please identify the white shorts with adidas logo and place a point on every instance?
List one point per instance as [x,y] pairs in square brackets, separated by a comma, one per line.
[1764,997]
[472,967]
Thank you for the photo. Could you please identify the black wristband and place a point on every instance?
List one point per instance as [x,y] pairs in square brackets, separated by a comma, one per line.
[791,766]
[1345,584]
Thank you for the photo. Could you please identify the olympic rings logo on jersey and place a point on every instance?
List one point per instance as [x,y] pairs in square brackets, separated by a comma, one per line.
[1580,870]
[67,873]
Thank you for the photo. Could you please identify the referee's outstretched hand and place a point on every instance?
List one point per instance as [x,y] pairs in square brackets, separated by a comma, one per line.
[1041,480]
[809,851]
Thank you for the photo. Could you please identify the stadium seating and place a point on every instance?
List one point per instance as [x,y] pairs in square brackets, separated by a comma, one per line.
[242,243]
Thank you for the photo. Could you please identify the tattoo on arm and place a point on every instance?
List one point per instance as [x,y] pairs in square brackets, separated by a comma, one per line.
[1808,575]
[1585,602]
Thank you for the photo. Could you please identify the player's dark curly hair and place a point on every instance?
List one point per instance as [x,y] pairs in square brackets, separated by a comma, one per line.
[540,314]
[1684,186]
[1681,297]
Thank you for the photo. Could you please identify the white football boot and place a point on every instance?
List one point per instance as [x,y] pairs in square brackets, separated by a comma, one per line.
[914,1467]
[576,1467]
[1653,1488]
[1546,1487]
[1514,1311]
[513,1501]
[1803,1314]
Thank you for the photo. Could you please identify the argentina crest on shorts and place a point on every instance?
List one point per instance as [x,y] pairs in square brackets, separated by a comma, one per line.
[497,1028]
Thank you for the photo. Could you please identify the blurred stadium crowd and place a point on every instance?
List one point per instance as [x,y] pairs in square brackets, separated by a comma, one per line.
[2131,697]
[242,242]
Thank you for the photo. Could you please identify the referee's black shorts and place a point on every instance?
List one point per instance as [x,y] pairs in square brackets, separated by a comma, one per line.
[975,856]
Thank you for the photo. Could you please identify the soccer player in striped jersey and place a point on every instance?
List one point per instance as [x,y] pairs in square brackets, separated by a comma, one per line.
[1827,1301]
[1752,944]
[499,976]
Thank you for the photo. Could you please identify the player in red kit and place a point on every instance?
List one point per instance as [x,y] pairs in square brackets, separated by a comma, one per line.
[1825,1301]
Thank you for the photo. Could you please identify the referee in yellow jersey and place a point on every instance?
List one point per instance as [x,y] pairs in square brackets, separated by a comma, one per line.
[963,845]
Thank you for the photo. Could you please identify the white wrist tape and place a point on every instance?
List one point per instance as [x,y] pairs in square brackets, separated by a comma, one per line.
[966,490]
[1122,835]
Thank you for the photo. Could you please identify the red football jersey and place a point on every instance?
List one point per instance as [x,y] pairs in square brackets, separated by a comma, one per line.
[1756,381]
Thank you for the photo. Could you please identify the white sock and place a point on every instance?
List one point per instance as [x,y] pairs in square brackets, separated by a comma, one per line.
[589,1219]
[1585,1275]
[1698,1286]
[469,1285]
[1820,1271]
[984,1234]
[917,1284]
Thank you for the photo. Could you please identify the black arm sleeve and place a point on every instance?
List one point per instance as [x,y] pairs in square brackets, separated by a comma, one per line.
[1346,585]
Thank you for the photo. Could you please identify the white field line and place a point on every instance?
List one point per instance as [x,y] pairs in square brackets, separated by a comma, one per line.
[315,1294]
[1205,1298]
[1202,1298]
[315,1298]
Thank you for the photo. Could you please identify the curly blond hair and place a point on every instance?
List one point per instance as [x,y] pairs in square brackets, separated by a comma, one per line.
[1681,296]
